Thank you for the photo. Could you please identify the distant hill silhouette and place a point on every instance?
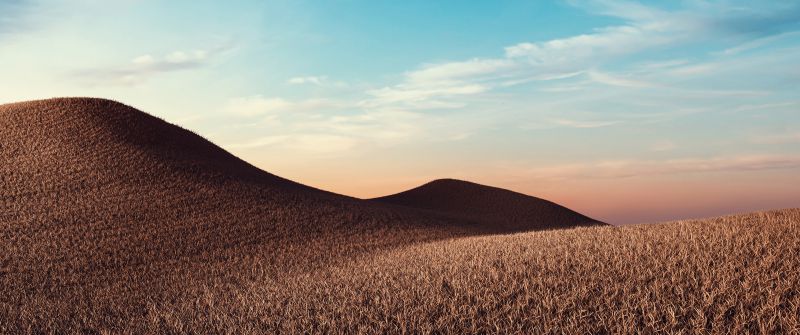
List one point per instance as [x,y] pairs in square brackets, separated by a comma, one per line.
[101,202]
[488,206]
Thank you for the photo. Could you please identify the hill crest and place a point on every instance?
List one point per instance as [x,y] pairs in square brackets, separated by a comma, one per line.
[93,133]
[489,205]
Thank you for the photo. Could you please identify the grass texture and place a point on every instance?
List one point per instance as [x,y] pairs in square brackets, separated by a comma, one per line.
[116,222]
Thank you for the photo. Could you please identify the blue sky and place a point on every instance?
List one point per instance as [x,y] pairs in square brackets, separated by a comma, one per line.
[595,104]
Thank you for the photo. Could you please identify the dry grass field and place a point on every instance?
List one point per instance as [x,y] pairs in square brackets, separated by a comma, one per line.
[113,221]
[107,213]
[731,275]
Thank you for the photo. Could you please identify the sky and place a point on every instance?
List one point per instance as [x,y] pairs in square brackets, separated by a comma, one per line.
[626,111]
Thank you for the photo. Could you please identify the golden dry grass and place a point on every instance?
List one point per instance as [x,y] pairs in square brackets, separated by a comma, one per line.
[112,221]
[107,213]
[732,275]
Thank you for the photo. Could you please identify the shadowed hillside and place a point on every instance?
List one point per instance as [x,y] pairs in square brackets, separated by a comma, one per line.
[93,191]
[107,212]
[488,206]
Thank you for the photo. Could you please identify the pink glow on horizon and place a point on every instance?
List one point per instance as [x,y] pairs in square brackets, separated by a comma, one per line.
[639,200]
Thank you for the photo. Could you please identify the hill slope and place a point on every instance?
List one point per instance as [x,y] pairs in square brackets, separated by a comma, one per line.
[729,275]
[105,210]
[488,206]
[92,187]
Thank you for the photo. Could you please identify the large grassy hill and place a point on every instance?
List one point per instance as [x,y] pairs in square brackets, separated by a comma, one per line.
[108,214]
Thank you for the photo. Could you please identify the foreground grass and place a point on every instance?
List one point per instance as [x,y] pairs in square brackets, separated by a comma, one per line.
[737,274]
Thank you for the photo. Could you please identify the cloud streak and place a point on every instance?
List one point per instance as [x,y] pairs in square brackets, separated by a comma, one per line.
[321,126]
[259,105]
[620,169]
[584,124]
[144,67]
[306,143]
[558,83]
[322,81]
[643,29]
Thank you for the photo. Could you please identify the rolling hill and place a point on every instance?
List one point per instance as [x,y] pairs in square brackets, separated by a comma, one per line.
[488,206]
[114,221]
[107,212]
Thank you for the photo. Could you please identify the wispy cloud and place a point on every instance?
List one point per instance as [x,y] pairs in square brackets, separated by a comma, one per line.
[259,142]
[552,59]
[551,123]
[640,168]
[644,29]
[757,43]
[259,105]
[584,124]
[422,96]
[315,81]
[536,81]
[146,66]
[763,107]
[589,48]
[453,71]
[306,143]
[612,80]
[341,126]
[691,70]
